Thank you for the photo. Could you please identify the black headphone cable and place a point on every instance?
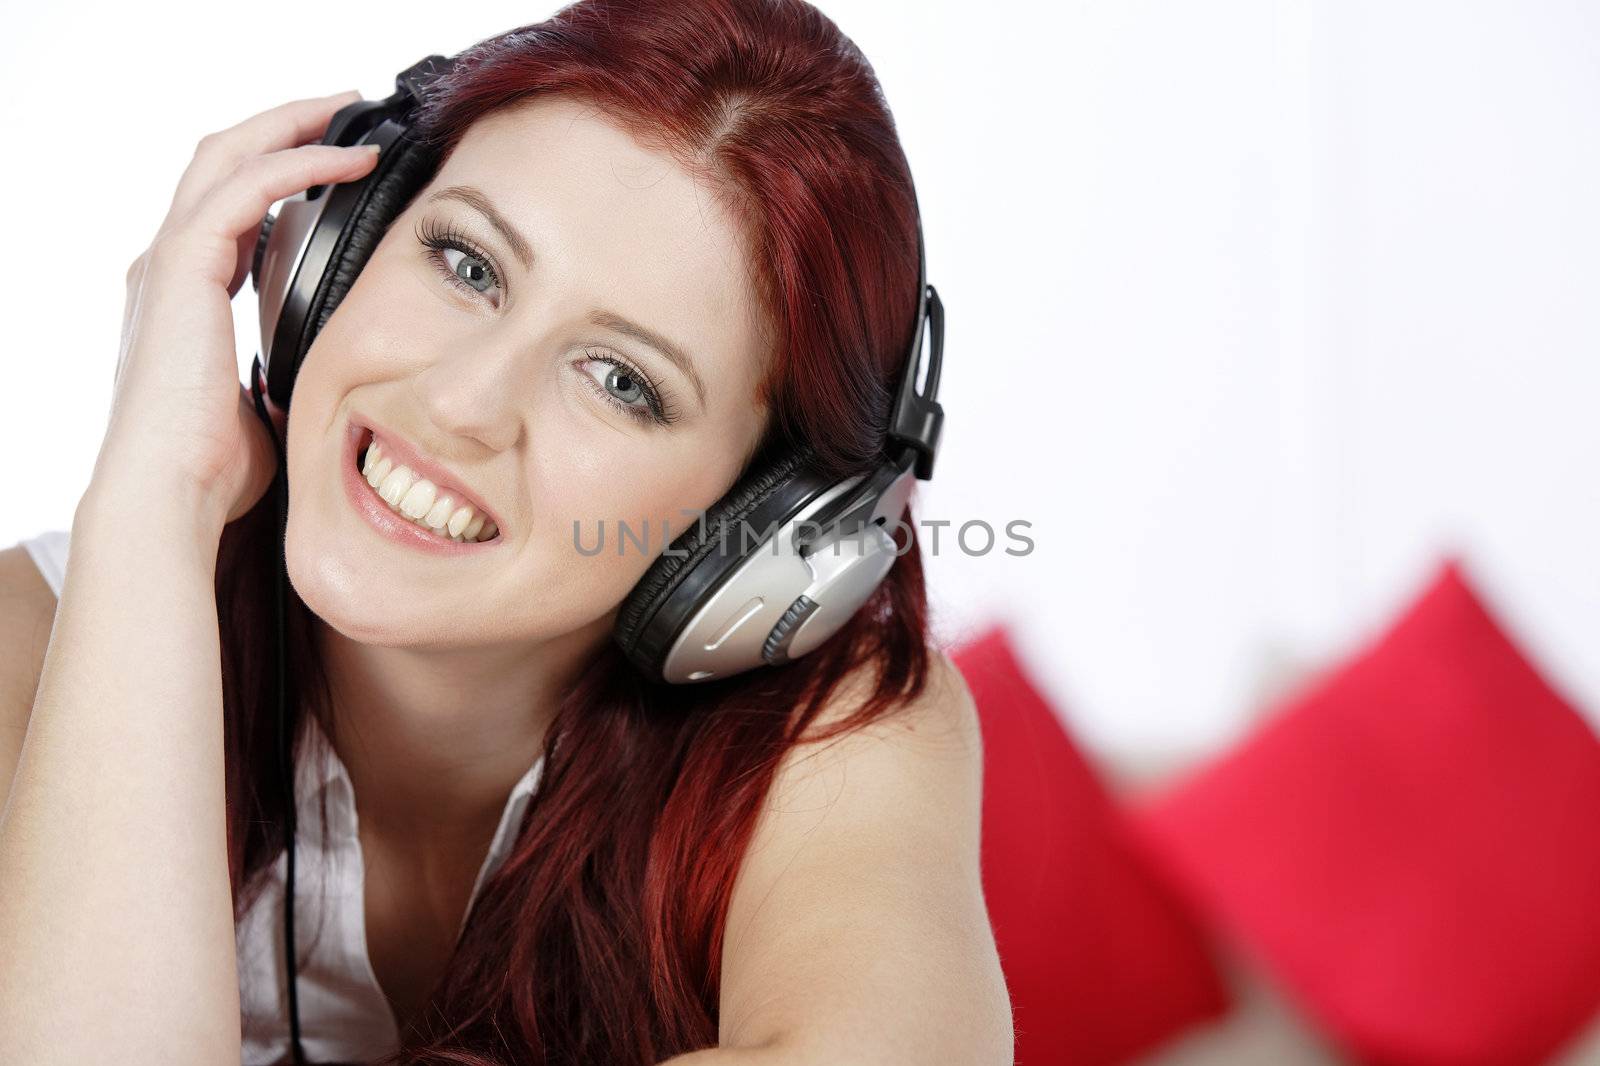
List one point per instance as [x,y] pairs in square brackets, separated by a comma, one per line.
[280,484]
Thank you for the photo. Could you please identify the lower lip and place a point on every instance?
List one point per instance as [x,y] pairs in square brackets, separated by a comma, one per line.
[389,525]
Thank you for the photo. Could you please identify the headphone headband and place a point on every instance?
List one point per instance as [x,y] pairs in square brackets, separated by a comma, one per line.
[712,604]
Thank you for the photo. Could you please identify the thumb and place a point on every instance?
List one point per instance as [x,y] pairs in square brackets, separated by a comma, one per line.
[261,454]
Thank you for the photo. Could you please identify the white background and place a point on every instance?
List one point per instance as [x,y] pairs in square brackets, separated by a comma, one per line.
[1256,310]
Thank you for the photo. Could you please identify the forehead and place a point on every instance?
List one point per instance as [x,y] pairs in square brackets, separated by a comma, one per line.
[618,225]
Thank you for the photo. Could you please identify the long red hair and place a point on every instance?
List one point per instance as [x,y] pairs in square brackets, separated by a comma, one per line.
[600,938]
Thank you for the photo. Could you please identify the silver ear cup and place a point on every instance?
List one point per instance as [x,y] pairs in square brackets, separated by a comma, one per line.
[845,570]
[780,602]
[296,245]
[285,248]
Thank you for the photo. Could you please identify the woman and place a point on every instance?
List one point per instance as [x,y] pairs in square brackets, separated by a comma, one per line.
[522,850]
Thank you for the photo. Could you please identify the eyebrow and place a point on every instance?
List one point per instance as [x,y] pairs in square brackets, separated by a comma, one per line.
[475,198]
[676,355]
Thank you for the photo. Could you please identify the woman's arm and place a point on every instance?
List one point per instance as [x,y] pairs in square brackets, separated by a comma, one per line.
[27,611]
[116,915]
[116,919]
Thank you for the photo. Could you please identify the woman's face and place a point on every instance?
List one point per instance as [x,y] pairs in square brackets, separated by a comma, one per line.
[502,377]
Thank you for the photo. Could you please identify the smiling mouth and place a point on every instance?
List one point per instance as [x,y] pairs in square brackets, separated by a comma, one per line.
[437,510]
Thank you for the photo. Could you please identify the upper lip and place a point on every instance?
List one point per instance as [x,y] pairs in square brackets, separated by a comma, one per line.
[404,453]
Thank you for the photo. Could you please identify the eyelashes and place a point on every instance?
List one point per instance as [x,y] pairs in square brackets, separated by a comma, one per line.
[659,410]
[436,238]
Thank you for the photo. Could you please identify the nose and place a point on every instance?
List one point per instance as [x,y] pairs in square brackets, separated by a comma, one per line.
[470,392]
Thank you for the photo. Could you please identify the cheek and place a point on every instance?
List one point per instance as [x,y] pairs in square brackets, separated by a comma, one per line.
[381,324]
[616,479]
[386,318]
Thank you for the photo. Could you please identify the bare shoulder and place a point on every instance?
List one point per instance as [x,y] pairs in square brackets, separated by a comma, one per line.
[943,713]
[857,929]
[925,750]
[27,613]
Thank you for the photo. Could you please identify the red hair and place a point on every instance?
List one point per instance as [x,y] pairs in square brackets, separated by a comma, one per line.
[600,938]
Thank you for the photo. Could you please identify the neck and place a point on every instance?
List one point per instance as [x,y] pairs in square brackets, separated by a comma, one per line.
[434,740]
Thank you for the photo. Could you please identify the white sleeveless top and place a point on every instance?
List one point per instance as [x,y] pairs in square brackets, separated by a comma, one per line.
[344,1016]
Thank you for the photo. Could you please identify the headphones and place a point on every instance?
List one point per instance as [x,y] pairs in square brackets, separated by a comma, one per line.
[769,572]
[765,575]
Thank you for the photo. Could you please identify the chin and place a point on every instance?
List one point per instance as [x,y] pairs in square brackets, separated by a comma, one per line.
[342,586]
[360,595]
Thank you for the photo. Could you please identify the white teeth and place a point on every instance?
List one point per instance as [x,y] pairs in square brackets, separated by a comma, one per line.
[395,485]
[379,472]
[419,501]
[417,498]
[439,514]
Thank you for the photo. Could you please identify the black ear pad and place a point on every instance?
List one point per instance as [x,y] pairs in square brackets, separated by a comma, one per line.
[770,492]
[405,167]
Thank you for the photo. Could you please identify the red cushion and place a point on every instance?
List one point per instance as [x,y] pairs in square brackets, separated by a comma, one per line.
[1412,845]
[1101,958]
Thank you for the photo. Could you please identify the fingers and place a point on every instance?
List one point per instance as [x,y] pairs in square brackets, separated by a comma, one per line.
[262,454]
[208,240]
[218,154]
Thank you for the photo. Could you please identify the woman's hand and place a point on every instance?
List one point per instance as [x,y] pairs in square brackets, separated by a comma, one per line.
[183,429]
